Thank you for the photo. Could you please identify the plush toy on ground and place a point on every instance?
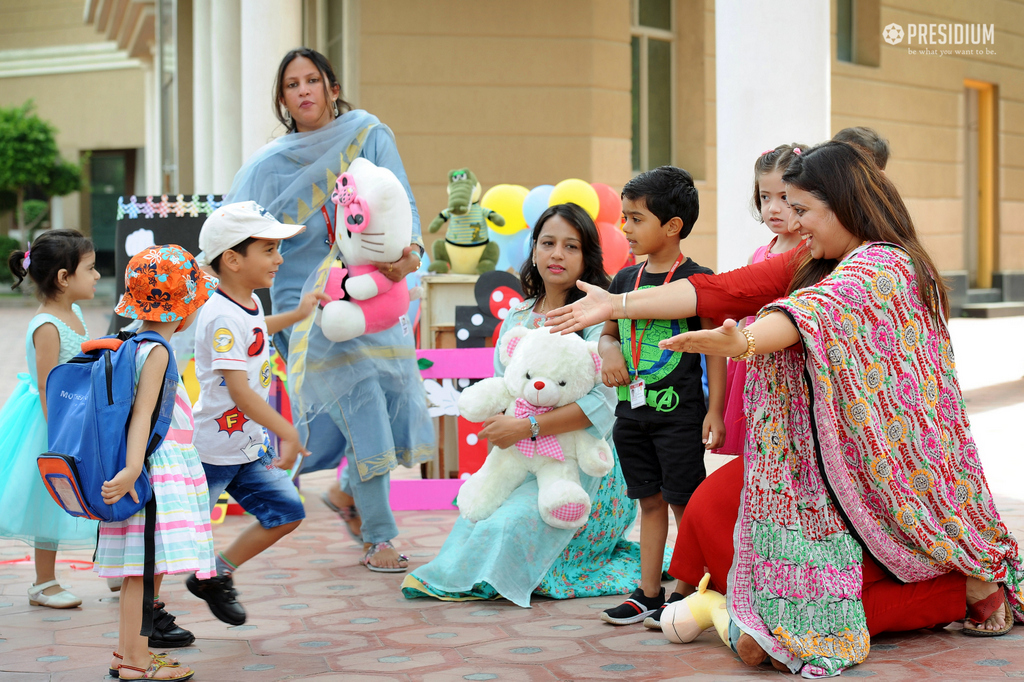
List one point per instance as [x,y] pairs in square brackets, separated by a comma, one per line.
[373,222]
[682,621]
[466,248]
[542,371]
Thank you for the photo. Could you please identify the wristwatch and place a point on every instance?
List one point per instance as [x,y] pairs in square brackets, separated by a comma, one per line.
[534,427]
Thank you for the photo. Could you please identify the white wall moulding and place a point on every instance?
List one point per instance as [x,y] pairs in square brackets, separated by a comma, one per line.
[131,24]
[43,61]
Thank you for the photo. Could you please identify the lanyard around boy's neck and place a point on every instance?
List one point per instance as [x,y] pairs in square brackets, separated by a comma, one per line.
[636,344]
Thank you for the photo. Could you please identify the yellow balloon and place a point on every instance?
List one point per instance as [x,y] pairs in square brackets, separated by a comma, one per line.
[506,201]
[575,191]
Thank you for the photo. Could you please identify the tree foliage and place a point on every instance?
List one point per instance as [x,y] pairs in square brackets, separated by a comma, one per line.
[30,160]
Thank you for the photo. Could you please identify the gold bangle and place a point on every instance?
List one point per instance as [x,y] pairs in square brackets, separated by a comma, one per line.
[751,346]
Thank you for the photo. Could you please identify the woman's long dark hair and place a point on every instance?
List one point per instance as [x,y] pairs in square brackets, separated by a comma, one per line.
[590,247]
[329,81]
[868,206]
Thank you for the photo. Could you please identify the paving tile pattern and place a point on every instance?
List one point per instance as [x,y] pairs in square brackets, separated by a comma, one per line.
[316,614]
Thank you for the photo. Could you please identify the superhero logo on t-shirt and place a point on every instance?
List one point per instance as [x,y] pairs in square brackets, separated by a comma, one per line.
[256,347]
[223,340]
[265,374]
[231,421]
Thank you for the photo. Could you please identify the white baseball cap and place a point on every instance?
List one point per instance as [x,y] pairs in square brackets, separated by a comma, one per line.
[232,224]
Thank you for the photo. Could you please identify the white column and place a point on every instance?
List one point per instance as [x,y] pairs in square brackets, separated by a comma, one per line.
[269,29]
[202,97]
[56,213]
[226,62]
[762,103]
[153,184]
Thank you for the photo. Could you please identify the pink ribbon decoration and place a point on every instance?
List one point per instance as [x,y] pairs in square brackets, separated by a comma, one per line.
[356,210]
[26,259]
[544,446]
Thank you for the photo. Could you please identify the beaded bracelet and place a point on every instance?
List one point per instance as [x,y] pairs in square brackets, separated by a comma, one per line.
[751,346]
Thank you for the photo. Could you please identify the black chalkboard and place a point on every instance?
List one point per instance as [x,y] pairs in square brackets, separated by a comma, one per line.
[144,221]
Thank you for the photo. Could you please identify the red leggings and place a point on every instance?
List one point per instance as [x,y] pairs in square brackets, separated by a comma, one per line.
[704,544]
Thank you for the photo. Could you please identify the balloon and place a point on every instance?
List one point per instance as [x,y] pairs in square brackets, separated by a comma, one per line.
[614,246]
[611,205]
[506,200]
[514,249]
[535,203]
[576,192]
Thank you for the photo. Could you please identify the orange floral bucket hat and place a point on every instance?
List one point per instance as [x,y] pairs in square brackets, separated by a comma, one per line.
[164,284]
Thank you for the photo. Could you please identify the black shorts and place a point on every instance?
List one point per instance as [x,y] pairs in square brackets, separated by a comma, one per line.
[665,457]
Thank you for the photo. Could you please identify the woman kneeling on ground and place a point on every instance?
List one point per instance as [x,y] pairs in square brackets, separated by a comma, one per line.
[859,440]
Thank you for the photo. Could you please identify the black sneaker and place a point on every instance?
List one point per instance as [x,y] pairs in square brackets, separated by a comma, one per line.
[166,634]
[219,594]
[653,621]
[634,609]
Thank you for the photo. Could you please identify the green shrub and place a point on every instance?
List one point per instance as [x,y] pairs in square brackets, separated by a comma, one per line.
[7,244]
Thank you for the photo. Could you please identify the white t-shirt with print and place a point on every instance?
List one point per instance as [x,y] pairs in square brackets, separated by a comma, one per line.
[229,336]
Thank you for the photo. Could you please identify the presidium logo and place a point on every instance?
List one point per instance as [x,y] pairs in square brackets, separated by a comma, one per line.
[943,34]
[893,34]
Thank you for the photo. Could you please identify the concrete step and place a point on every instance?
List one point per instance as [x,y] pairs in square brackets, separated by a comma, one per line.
[999,309]
[984,295]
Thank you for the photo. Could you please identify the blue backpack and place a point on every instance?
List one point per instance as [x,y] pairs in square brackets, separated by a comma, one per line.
[89,403]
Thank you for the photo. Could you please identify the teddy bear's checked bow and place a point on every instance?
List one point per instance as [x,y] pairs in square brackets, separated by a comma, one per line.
[543,446]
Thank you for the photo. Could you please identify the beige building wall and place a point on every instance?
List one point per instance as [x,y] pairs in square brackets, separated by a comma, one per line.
[90,109]
[528,93]
[917,101]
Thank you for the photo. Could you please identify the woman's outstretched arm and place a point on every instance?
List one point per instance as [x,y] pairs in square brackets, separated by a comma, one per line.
[771,333]
[734,294]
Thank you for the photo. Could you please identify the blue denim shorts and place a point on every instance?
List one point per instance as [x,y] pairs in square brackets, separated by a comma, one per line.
[262,489]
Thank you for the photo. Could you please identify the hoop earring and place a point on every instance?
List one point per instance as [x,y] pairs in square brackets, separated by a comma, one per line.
[336,114]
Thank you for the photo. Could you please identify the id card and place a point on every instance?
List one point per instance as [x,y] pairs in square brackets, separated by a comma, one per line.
[406,327]
[637,398]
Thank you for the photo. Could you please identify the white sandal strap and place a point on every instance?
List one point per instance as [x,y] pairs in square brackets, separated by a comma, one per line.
[36,589]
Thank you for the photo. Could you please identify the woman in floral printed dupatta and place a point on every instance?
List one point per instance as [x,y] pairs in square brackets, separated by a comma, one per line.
[859,439]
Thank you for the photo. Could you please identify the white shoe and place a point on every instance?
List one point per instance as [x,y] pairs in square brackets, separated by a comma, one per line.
[114,584]
[60,600]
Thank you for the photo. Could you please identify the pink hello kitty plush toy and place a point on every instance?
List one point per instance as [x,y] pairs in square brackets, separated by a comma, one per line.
[373,222]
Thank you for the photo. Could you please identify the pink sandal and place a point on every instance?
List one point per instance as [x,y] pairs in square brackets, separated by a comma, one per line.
[380,546]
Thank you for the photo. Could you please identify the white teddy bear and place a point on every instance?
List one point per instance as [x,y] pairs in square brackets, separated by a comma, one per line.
[542,371]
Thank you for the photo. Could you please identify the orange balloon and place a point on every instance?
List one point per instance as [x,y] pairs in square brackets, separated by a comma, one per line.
[614,247]
[611,205]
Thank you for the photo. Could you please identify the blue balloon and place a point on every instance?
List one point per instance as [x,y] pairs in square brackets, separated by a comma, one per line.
[515,248]
[535,203]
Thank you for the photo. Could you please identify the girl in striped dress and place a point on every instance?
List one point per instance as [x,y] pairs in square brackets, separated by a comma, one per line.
[163,287]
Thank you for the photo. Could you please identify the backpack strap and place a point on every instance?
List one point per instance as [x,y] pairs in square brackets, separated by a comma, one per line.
[164,409]
[148,568]
[102,343]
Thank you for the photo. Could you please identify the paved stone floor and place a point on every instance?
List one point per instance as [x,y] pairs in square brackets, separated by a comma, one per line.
[314,613]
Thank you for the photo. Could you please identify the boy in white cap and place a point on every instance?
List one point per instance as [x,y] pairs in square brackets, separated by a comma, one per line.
[240,243]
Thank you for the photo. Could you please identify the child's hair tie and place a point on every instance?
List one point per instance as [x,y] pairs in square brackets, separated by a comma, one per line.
[796,150]
[26,260]
[767,151]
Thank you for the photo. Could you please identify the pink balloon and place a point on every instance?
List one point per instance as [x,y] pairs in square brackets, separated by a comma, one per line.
[611,205]
[614,246]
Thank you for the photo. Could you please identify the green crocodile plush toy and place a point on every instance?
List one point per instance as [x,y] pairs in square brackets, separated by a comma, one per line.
[466,248]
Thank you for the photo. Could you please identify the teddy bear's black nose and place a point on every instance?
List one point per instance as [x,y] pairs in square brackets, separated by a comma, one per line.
[539,385]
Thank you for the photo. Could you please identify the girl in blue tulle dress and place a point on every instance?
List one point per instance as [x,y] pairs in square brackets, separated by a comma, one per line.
[62,265]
